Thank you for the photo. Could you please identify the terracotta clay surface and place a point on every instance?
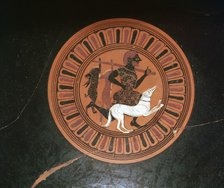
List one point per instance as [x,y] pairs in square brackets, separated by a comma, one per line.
[81,93]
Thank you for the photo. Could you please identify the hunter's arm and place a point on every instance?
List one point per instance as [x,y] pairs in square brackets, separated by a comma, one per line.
[112,78]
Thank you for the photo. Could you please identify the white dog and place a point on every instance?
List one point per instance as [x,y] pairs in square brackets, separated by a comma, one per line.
[141,109]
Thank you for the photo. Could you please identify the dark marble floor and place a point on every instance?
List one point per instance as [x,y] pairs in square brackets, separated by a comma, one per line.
[30,143]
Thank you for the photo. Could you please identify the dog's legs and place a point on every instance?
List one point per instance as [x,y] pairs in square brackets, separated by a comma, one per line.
[158,106]
[109,120]
[123,127]
[155,109]
[118,124]
[161,105]
[119,120]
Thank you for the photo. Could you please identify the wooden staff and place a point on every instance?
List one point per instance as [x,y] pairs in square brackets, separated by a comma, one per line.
[119,65]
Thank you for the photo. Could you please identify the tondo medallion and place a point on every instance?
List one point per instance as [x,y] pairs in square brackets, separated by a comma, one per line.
[121,90]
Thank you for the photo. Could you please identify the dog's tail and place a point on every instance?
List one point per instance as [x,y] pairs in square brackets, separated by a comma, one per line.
[109,120]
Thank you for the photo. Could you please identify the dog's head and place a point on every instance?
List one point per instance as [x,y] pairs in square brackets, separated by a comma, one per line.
[148,93]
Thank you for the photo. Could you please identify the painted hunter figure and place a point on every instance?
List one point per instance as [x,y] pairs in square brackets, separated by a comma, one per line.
[126,78]
[128,82]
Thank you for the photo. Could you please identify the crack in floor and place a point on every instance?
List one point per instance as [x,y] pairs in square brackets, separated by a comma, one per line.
[30,98]
[206,123]
[52,170]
